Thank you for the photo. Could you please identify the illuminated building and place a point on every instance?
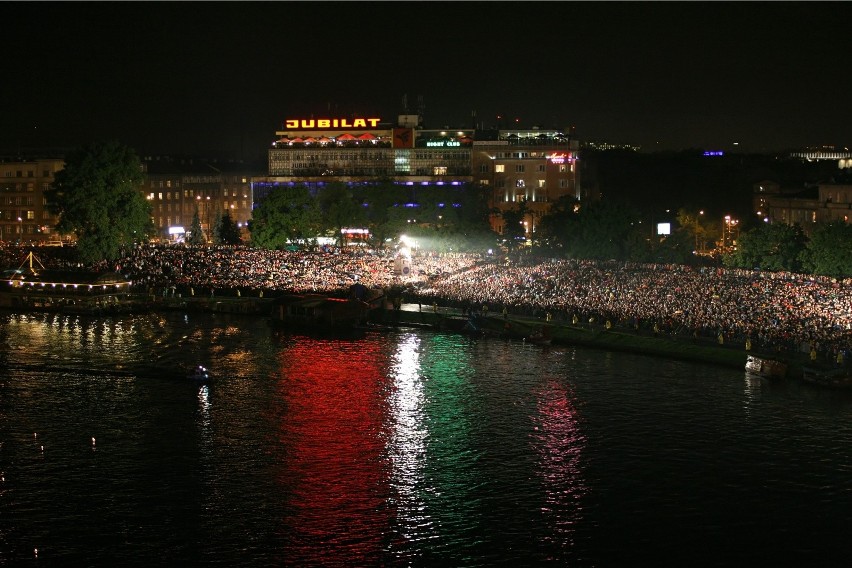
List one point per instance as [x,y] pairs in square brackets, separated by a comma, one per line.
[511,165]
[822,203]
[361,150]
[177,188]
[23,216]
[537,167]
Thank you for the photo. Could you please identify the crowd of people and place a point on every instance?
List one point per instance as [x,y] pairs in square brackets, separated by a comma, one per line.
[778,310]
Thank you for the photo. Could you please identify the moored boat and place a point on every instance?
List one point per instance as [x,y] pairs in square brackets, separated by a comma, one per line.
[764,367]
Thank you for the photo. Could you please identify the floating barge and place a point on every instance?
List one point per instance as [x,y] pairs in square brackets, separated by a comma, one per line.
[34,288]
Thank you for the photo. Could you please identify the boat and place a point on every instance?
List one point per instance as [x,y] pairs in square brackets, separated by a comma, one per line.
[764,367]
[319,311]
[540,337]
[199,374]
[839,377]
[30,286]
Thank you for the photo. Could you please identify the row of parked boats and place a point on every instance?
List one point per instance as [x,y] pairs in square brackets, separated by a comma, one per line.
[835,377]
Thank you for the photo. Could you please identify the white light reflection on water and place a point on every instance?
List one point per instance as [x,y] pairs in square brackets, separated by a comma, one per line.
[407,444]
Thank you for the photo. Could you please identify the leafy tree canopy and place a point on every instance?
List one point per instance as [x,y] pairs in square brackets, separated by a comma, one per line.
[290,214]
[774,247]
[97,198]
[829,250]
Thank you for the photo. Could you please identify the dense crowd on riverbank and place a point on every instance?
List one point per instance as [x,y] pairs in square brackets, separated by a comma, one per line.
[778,310]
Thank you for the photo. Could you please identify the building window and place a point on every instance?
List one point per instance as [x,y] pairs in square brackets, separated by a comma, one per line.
[541,183]
[541,167]
[440,170]
[520,183]
[519,168]
[499,168]
[563,168]
[483,168]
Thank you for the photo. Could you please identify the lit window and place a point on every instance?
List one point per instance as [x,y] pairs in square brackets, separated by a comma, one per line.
[499,168]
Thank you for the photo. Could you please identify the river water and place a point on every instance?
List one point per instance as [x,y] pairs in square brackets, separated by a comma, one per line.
[408,448]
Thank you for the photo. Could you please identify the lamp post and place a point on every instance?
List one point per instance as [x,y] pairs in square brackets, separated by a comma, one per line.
[20,230]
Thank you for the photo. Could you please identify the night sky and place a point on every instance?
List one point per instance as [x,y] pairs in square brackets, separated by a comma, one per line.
[217,79]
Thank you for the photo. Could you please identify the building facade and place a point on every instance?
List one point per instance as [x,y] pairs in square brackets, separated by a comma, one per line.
[23,215]
[534,167]
[823,203]
[511,166]
[178,188]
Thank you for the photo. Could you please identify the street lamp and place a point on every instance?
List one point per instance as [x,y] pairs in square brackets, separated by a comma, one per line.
[20,230]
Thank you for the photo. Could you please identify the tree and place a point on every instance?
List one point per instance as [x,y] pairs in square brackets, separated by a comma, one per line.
[97,197]
[226,230]
[216,228]
[829,250]
[339,210]
[606,230]
[774,247]
[285,215]
[196,234]
[513,225]
[560,227]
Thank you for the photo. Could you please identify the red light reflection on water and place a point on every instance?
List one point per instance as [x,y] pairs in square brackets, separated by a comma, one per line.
[336,465]
[559,443]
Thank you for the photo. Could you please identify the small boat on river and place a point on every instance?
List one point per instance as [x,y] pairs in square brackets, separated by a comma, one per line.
[764,367]
[199,374]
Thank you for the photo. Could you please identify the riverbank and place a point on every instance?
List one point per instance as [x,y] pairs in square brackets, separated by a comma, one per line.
[596,336]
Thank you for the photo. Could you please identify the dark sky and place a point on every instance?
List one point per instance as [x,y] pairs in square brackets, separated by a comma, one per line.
[219,78]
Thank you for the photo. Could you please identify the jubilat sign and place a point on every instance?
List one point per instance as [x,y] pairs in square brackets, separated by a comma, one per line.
[307,123]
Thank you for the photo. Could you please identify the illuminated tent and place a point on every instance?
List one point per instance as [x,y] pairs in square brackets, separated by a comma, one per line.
[310,139]
[284,140]
[324,140]
[366,136]
[297,139]
[346,136]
